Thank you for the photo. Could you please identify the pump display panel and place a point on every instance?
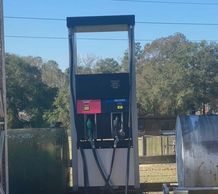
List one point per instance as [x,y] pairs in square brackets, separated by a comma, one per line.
[102,107]
[102,86]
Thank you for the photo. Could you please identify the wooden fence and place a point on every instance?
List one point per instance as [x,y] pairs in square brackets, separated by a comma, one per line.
[154,147]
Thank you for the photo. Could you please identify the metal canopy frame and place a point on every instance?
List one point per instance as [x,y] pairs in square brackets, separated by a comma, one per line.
[103,24]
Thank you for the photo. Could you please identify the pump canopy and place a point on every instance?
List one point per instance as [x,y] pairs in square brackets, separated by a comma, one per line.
[101,23]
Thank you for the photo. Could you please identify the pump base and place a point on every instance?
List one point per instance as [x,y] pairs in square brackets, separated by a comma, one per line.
[144,187]
[102,190]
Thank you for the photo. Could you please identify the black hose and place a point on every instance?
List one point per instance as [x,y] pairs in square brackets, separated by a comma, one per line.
[112,164]
[106,179]
[98,164]
[107,184]
[101,170]
[85,169]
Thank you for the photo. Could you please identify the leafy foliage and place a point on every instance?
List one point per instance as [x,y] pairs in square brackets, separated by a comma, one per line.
[50,73]
[174,76]
[108,65]
[60,112]
[177,75]
[26,93]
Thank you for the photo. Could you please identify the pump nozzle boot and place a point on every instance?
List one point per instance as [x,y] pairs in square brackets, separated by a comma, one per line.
[121,133]
[89,129]
[92,143]
[116,140]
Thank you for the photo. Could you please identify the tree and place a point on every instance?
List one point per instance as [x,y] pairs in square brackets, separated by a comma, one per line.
[34,61]
[177,75]
[60,111]
[139,55]
[204,75]
[173,76]
[107,65]
[26,93]
[86,64]
[50,72]
[52,75]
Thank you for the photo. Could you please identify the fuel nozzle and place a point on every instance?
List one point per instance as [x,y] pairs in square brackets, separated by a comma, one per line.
[118,127]
[116,140]
[89,128]
[121,133]
[89,131]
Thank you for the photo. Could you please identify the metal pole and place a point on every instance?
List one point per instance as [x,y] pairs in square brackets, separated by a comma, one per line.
[73,62]
[133,108]
[3,89]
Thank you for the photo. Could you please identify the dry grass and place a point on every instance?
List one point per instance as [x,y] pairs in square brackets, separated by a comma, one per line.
[152,173]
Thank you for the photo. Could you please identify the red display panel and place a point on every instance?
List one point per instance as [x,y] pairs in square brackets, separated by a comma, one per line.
[88,106]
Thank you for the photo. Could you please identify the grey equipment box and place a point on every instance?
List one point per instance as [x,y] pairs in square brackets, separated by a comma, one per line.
[197,154]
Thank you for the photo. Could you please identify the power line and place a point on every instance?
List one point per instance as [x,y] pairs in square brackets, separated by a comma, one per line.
[96,39]
[36,37]
[171,2]
[178,23]
[139,22]
[34,18]
[65,38]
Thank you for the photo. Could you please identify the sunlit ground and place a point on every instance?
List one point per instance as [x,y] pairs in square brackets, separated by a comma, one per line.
[151,173]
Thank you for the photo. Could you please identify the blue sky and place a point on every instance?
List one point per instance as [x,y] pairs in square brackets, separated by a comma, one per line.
[58,49]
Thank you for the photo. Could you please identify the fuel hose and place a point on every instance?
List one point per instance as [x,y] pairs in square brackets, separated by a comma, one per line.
[103,174]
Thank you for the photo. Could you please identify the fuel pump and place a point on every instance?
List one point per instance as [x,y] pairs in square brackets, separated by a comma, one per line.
[103,115]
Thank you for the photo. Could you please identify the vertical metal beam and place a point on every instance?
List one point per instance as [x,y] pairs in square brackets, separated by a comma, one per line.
[144,145]
[73,64]
[3,88]
[168,150]
[133,108]
[161,145]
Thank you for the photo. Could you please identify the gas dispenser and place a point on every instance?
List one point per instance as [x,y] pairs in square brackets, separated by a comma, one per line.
[103,115]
